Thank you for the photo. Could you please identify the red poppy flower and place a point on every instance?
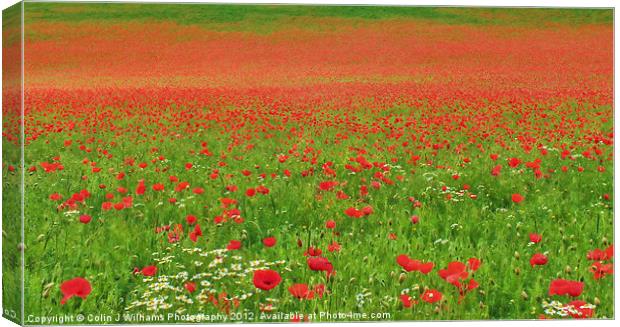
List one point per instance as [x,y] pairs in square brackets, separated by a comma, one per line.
[266,279]
[600,270]
[175,235]
[313,252]
[197,230]
[565,287]
[535,238]
[367,210]
[517,198]
[149,271]
[610,252]
[426,267]
[228,202]
[432,296]
[190,287]
[301,291]
[191,219]
[330,224]
[233,245]
[414,265]
[538,259]
[407,263]
[353,212]
[341,195]
[75,287]
[454,273]
[269,241]
[128,202]
[407,301]
[514,162]
[158,187]
[55,197]
[333,247]
[105,206]
[472,284]
[473,264]
[363,190]
[85,219]
[320,264]
[181,186]
[262,190]
[141,188]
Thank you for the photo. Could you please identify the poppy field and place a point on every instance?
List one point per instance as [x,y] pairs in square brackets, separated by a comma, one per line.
[218,163]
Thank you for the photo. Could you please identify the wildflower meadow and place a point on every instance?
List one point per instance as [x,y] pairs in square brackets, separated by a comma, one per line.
[279,163]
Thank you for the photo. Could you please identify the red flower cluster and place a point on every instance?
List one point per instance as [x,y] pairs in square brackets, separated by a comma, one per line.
[302,291]
[601,255]
[457,274]
[414,265]
[358,213]
[565,287]
[599,269]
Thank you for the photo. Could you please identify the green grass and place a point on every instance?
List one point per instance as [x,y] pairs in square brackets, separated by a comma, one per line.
[268,14]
